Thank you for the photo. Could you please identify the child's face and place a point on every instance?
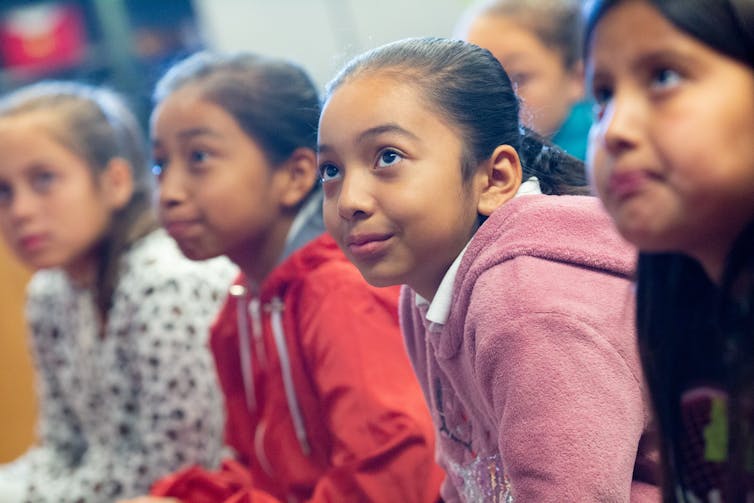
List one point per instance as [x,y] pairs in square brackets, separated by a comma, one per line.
[394,198]
[217,190]
[52,211]
[672,151]
[547,88]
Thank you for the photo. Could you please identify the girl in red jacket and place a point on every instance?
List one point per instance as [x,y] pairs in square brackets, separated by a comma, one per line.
[321,401]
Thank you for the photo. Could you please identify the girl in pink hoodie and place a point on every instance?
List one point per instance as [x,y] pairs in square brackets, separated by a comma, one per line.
[517,311]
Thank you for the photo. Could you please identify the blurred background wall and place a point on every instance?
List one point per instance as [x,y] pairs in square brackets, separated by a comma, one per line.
[322,34]
[18,407]
[127,45]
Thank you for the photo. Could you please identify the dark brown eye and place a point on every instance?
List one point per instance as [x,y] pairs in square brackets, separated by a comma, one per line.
[328,172]
[388,158]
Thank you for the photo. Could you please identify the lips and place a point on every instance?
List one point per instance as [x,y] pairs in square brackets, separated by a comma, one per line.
[623,185]
[366,246]
[32,242]
[180,228]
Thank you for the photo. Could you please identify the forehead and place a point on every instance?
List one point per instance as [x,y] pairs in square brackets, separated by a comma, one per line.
[508,38]
[615,36]
[186,108]
[374,86]
[44,121]
[374,99]
[39,127]
[503,29]
[37,139]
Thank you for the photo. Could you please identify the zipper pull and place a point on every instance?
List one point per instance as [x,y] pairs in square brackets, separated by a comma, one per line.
[275,306]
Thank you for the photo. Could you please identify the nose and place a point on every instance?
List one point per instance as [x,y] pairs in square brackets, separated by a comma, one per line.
[354,198]
[171,187]
[23,205]
[620,127]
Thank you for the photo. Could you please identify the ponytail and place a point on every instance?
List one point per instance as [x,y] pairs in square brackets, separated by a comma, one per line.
[558,172]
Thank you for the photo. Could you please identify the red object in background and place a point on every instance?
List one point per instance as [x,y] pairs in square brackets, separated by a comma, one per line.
[41,38]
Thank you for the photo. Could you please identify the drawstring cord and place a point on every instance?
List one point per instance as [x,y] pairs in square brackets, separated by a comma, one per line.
[276,307]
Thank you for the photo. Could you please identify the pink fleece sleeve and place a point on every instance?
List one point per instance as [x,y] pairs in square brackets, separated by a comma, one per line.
[567,405]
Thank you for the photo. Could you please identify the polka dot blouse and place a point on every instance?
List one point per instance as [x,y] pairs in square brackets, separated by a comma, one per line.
[118,412]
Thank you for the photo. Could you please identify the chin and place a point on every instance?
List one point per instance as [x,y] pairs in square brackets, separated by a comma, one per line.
[36,263]
[39,266]
[196,253]
[380,280]
[648,242]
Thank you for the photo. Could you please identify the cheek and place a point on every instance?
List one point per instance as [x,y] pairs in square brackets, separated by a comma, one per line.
[6,229]
[330,216]
[221,204]
[538,92]
[95,228]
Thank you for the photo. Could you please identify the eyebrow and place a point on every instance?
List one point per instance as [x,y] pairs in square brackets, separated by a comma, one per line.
[187,134]
[515,57]
[376,131]
[662,55]
[197,131]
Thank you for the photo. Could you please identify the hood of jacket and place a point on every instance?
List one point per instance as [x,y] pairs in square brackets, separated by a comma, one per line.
[569,229]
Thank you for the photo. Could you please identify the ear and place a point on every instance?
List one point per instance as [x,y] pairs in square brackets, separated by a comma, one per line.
[117,183]
[298,174]
[500,178]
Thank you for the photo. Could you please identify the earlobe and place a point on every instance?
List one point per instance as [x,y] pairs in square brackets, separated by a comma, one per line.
[500,179]
[299,176]
[117,183]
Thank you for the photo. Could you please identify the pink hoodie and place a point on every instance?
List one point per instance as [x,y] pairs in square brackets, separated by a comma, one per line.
[534,381]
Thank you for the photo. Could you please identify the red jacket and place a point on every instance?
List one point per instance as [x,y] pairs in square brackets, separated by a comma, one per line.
[333,412]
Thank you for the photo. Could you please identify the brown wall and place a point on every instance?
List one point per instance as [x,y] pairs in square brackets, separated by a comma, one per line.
[17,401]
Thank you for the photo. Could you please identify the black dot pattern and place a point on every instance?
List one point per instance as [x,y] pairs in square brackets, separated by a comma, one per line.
[118,412]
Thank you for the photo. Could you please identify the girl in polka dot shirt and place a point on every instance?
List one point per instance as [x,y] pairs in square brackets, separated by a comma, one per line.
[118,318]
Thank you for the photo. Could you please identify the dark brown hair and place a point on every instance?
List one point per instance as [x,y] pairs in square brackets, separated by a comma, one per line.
[471,90]
[273,100]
